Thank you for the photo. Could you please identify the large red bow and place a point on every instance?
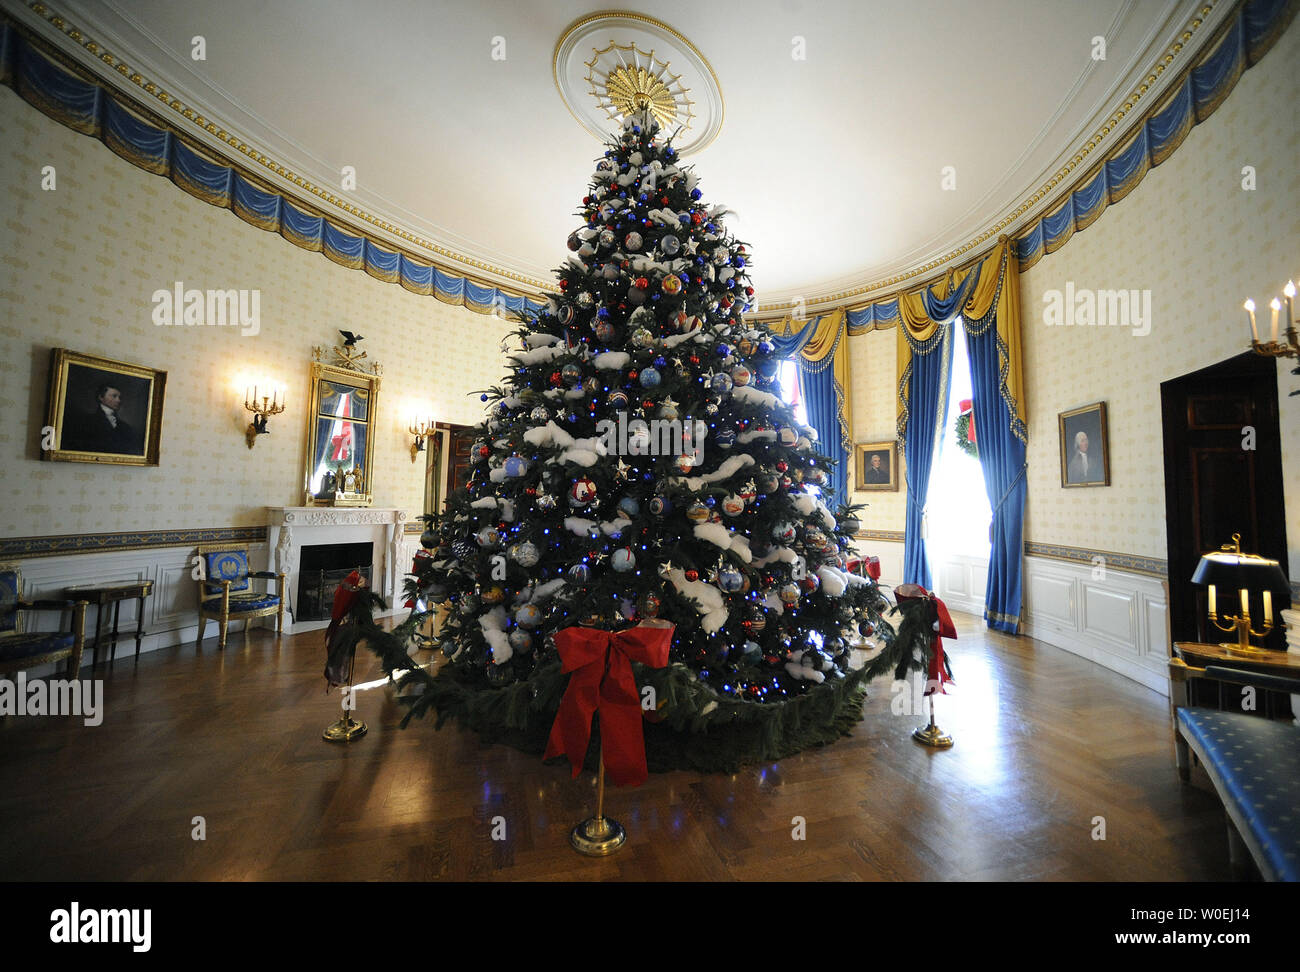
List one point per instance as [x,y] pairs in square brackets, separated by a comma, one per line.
[602,681]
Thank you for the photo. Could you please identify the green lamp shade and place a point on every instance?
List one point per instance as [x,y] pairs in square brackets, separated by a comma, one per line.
[1235,572]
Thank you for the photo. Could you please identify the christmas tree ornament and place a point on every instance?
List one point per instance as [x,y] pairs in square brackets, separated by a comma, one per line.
[629,505]
[528,615]
[525,554]
[667,410]
[660,505]
[740,375]
[540,415]
[429,538]
[515,466]
[591,385]
[488,538]
[746,347]
[545,501]
[783,531]
[725,438]
[691,574]
[618,400]
[607,238]
[521,640]
[697,512]
[671,285]
[754,621]
[609,272]
[574,242]
[730,580]
[582,492]
[649,604]
[565,315]
[585,300]
[636,296]
[733,505]
[685,463]
[571,373]
[623,560]
[787,436]
[789,594]
[579,573]
[721,383]
[632,241]
[850,524]
[462,550]
[605,332]
[492,595]
[642,338]
[650,378]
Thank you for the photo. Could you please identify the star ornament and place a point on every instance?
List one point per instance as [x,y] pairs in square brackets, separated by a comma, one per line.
[666,568]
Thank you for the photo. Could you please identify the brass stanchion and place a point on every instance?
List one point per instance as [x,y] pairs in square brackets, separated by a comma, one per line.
[347,728]
[598,836]
[932,735]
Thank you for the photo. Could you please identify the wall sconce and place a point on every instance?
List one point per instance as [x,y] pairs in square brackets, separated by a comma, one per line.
[261,410]
[421,430]
[1241,573]
[1273,348]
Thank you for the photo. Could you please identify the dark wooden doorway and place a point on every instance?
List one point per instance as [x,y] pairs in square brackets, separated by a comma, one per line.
[442,479]
[1215,485]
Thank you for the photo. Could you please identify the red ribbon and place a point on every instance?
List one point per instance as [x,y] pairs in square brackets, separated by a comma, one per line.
[601,680]
[966,405]
[940,672]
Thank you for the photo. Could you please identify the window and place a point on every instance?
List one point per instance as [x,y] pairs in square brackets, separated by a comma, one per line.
[957,507]
[788,381]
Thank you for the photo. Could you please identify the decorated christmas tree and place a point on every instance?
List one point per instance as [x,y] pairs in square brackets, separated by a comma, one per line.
[638,462]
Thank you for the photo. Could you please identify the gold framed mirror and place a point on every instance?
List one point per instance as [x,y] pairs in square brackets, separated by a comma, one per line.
[341,423]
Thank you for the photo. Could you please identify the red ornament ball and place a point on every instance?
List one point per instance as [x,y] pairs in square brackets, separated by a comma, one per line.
[692,575]
[781,466]
[564,285]
[484,451]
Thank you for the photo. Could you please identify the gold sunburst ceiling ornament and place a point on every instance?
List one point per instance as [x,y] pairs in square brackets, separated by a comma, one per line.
[625,80]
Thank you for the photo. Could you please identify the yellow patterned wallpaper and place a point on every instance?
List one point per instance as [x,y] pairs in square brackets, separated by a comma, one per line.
[873,367]
[79,266]
[1201,244]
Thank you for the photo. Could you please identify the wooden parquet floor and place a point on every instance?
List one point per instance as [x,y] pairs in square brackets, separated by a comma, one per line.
[1045,743]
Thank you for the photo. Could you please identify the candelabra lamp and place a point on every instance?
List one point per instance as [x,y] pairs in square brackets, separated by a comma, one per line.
[1240,575]
[262,409]
[1273,347]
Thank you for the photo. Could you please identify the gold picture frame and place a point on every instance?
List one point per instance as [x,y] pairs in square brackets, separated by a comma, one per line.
[341,425]
[102,410]
[1086,427]
[870,476]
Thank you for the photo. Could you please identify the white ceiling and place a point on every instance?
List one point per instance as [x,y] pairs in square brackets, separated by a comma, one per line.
[832,164]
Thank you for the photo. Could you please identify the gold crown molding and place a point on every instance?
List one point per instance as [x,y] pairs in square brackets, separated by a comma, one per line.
[642,19]
[1048,194]
[197,120]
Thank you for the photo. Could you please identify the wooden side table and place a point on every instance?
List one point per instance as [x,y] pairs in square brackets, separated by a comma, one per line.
[1200,654]
[113,594]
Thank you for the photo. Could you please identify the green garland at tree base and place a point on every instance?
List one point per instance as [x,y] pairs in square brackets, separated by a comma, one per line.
[521,715]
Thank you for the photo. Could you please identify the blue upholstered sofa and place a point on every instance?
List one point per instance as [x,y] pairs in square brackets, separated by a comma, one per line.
[1253,763]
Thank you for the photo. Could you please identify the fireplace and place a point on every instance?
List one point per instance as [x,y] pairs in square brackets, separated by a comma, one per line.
[292,531]
[322,568]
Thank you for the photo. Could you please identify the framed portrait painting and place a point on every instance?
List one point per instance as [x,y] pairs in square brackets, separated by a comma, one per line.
[876,466]
[1085,446]
[102,410]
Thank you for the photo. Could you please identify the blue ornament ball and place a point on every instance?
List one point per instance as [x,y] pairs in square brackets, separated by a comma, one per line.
[629,505]
[650,378]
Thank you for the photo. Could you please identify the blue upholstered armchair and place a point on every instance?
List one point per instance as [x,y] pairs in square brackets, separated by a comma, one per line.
[227,593]
[20,649]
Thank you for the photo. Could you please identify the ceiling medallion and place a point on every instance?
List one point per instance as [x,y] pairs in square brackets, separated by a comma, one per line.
[610,65]
[625,81]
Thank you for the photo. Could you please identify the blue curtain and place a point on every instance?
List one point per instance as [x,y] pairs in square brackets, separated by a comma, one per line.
[1002,458]
[928,378]
[822,400]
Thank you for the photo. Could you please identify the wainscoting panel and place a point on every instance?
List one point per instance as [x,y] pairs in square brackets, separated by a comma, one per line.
[890,553]
[961,581]
[1114,618]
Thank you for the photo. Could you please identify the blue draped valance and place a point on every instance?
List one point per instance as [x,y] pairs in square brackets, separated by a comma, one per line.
[1245,37]
[92,109]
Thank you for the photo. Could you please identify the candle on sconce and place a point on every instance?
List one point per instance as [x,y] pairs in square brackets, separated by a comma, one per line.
[1275,305]
[1213,613]
[1250,309]
[1289,291]
[1245,603]
[1268,608]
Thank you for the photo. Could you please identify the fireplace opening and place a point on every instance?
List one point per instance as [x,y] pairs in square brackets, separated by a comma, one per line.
[322,568]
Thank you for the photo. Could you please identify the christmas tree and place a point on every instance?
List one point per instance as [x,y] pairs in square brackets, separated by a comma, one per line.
[638,463]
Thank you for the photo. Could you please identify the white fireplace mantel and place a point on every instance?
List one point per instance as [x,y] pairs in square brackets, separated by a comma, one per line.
[290,528]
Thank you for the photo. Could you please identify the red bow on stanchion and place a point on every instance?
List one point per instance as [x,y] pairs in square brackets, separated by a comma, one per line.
[600,663]
[866,567]
[338,668]
[417,567]
[940,672]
